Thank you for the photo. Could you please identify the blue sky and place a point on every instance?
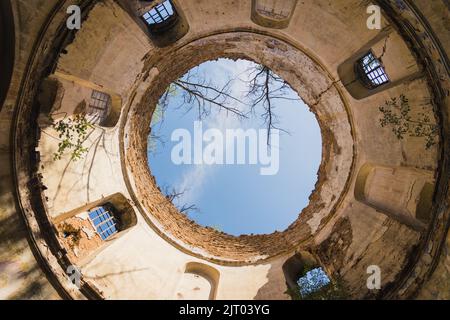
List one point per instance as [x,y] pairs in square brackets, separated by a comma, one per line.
[235,198]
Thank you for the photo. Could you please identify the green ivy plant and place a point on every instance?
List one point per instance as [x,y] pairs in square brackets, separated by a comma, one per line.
[72,131]
[396,114]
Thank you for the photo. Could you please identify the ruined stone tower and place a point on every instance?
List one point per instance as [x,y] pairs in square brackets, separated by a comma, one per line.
[379,200]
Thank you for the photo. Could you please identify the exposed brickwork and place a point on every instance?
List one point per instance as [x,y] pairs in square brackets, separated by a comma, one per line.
[336,137]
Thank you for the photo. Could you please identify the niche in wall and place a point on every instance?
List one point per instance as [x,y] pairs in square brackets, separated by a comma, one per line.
[306,278]
[63,95]
[198,282]
[403,193]
[87,229]
[273,13]
[381,64]
[162,20]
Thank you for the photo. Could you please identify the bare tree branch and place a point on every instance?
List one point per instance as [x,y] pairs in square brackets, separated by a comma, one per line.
[188,208]
[174,195]
[195,96]
[264,88]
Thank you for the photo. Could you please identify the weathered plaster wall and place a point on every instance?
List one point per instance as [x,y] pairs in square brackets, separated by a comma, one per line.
[150,268]
[109,50]
[21,276]
[152,260]
[330,111]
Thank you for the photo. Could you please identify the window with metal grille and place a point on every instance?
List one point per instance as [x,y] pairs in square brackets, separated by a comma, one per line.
[99,104]
[159,14]
[274,9]
[104,222]
[371,71]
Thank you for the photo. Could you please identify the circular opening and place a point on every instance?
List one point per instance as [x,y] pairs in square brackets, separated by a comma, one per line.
[309,79]
[234,147]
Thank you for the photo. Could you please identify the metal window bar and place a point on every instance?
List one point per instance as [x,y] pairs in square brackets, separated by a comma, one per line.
[373,70]
[106,230]
[103,218]
[99,104]
[159,14]
[103,222]
[270,12]
[275,9]
[99,100]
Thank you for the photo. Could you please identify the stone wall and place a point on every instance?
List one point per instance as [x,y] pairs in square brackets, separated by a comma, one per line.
[345,235]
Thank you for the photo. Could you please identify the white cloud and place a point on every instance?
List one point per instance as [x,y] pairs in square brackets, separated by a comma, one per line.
[195,178]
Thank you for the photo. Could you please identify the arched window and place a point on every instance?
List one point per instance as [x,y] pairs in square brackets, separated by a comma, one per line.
[364,73]
[371,72]
[160,17]
[164,21]
[278,10]
[293,270]
[67,93]
[85,230]
[6,48]
[307,279]
[273,13]
[99,106]
[104,221]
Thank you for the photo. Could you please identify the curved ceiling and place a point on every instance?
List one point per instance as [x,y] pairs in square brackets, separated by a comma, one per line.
[350,223]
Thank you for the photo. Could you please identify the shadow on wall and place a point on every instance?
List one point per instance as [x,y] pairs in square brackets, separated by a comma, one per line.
[283,280]
[402,193]
[86,231]
[276,286]
[95,141]
[62,94]
[386,48]
[198,282]
[12,233]
[127,216]
[20,275]
[7,47]
[110,274]
[32,284]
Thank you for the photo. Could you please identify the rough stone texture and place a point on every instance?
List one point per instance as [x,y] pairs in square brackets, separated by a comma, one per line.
[21,276]
[355,244]
[438,286]
[111,52]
